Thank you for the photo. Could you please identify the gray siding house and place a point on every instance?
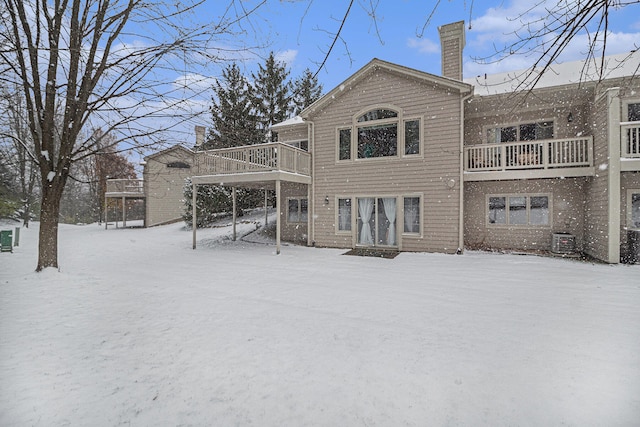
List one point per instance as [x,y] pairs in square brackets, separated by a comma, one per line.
[396,158]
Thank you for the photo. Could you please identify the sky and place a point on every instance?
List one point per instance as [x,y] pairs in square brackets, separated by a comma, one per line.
[301,32]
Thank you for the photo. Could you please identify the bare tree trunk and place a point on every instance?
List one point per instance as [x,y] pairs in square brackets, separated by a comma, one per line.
[48,236]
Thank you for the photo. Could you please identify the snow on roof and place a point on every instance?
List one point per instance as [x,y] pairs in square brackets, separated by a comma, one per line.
[615,66]
[297,120]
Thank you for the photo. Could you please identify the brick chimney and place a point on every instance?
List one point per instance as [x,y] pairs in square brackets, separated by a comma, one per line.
[452,43]
[200,130]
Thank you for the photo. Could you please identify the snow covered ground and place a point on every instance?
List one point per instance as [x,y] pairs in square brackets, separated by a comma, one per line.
[139,329]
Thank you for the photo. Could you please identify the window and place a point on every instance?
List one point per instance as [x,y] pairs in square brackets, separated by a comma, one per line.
[518,210]
[178,165]
[380,133]
[378,141]
[412,215]
[633,201]
[412,137]
[633,112]
[302,144]
[344,214]
[523,132]
[298,210]
[345,144]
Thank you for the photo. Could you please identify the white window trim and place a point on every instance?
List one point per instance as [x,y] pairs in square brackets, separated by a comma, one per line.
[299,198]
[402,137]
[337,216]
[420,233]
[630,192]
[485,128]
[625,109]
[488,224]
[337,138]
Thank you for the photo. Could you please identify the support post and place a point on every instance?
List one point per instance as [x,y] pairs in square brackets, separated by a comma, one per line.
[106,213]
[233,198]
[124,212]
[266,208]
[278,216]
[194,223]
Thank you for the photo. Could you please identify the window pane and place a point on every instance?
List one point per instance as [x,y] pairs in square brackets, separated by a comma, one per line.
[377,115]
[493,135]
[539,210]
[304,209]
[304,145]
[378,141]
[344,214]
[293,210]
[635,209]
[508,134]
[345,144]
[528,132]
[544,130]
[412,137]
[497,211]
[411,214]
[633,112]
[517,210]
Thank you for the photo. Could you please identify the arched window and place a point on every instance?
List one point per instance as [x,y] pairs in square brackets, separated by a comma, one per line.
[379,132]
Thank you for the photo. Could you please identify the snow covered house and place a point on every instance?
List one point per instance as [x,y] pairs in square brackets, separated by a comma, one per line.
[396,158]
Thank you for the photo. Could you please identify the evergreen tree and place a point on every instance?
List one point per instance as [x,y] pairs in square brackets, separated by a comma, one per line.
[306,91]
[272,95]
[234,118]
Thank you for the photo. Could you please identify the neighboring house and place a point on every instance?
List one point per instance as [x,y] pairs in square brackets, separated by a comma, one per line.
[396,158]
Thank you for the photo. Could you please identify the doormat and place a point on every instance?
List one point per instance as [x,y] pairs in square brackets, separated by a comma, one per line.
[377,253]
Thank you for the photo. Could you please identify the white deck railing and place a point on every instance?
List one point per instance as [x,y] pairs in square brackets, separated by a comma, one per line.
[542,154]
[134,186]
[274,156]
[630,139]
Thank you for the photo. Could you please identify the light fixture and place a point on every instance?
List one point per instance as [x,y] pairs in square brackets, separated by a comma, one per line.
[570,117]
[326,200]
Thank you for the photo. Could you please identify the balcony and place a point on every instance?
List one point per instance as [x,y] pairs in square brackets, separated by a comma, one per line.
[529,159]
[125,188]
[273,156]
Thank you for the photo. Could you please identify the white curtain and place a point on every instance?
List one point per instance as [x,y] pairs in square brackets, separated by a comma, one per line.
[365,207]
[410,214]
[343,216]
[390,212]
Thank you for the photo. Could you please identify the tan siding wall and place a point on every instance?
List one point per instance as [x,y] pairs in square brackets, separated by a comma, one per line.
[628,181]
[427,175]
[567,197]
[294,133]
[292,232]
[481,113]
[164,187]
[597,202]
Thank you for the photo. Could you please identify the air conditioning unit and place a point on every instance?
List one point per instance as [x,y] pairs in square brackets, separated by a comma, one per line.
[563,243]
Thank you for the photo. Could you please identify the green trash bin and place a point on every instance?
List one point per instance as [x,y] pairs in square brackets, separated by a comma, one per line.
[6,241]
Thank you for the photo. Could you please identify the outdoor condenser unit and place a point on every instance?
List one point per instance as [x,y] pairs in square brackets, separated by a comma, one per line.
[563,243]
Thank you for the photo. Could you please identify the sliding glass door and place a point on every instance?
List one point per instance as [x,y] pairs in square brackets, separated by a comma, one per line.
[377,221]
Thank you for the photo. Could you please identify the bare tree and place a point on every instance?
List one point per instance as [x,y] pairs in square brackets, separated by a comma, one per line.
[15,140]
[106,64]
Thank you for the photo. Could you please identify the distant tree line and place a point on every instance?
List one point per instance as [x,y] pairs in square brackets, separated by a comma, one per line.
[243,111]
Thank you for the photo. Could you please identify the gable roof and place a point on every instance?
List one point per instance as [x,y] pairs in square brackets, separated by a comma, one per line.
[176,147]
[566,73]
[374,64]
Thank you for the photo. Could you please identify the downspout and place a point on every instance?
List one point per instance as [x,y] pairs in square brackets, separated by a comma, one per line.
[461,215]
[311,222]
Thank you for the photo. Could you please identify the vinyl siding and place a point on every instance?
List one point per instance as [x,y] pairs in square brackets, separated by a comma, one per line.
[426,175]
[597,201]
[566,200]
[292,232]
[164,186]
